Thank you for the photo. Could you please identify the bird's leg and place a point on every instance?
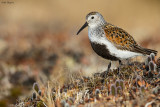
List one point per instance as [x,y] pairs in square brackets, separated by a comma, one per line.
[120,63]
[109,66]
[106,71]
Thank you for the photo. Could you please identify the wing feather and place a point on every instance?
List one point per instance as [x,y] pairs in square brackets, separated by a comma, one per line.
[123,40]
[120,38]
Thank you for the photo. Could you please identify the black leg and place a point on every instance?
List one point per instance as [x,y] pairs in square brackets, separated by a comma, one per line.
[109,66]
[120,62]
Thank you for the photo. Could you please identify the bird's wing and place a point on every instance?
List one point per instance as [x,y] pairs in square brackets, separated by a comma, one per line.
[123,40]
[120,38]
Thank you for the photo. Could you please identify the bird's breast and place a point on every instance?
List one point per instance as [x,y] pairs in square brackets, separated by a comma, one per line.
[105,48]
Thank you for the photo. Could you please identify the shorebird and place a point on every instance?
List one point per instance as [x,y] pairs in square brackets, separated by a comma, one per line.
[112,42]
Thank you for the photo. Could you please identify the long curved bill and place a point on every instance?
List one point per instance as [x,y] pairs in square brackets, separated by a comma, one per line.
[85,25]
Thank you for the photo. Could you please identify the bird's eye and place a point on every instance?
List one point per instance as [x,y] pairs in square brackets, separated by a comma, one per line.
[92,17]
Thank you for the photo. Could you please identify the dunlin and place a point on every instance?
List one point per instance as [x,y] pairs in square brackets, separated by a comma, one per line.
[111,42]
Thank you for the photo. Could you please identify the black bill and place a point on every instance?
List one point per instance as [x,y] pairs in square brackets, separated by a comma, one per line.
[85,25]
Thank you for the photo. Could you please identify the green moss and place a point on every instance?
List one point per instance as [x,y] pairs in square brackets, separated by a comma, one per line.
[15,92]
[40,104]
[113,90]
[3,103]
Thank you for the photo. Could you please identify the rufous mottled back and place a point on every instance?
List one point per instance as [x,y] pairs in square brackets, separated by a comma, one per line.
[110,41]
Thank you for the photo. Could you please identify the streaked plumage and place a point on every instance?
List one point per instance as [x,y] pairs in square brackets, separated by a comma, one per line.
[111,42]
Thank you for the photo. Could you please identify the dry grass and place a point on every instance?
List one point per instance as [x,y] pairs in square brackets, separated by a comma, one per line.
[38,44]
[59,66]
[135,85]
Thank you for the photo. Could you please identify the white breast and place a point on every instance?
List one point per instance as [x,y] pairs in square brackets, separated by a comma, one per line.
[121,54]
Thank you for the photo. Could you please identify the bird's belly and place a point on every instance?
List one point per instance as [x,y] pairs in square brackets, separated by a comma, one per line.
[107,50]
[102,51]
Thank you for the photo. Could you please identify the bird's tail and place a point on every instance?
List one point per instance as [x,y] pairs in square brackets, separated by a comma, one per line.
[145,50]
[149,51]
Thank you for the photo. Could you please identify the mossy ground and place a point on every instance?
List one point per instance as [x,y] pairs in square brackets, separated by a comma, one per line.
[139,89]
[59,71]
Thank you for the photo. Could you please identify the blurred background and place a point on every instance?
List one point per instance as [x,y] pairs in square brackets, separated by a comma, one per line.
[38,39]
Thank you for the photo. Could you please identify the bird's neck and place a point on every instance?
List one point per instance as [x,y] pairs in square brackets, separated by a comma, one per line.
[95,33]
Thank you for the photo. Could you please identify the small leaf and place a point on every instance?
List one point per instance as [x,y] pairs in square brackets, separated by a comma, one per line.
[119,90]
[148,60]
[113,90]
[39,92]
[36,87]
[142,89]
[117,83]
[151,66]
[141,83]
[97,93]
[122,84]
[152,55]
[34,96]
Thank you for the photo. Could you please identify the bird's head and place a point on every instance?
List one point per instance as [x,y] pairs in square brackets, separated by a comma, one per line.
[93,20]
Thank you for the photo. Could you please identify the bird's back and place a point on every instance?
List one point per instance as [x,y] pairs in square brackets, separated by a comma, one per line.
[123,40]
